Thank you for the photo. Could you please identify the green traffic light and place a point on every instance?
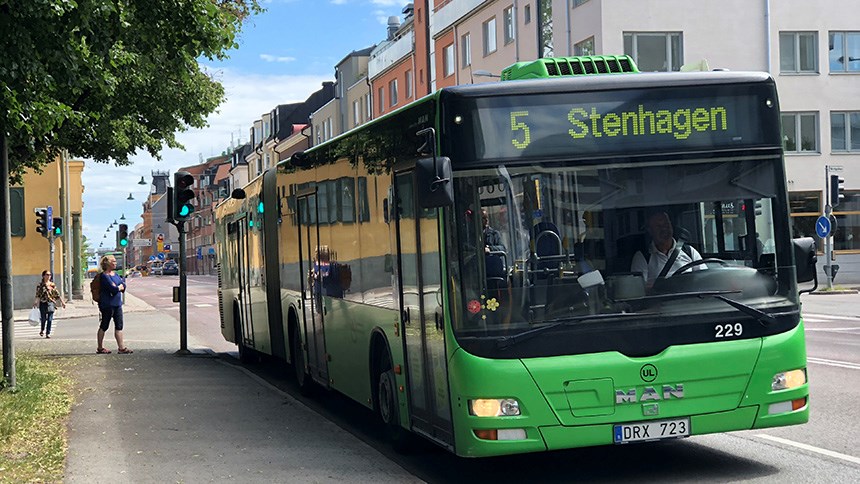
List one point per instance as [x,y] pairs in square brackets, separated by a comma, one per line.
[123,242]
[260,207]
[184,211]
[58,231]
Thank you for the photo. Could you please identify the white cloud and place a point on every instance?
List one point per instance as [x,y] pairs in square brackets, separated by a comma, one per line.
[273,58]
[248,96]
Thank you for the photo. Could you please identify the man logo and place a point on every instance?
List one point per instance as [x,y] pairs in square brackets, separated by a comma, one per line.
[648,373]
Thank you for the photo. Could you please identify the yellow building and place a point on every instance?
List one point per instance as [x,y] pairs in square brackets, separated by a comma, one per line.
[59,186]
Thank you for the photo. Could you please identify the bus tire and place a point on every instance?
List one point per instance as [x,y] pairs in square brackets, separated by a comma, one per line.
[246,355]
[388,410]
[300,369]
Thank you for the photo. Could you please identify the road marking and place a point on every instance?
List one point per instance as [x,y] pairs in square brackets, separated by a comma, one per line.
[811,448]
[202,305]
[828,317]
[841,364]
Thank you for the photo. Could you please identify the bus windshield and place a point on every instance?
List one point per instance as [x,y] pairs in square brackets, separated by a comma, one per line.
[629,246]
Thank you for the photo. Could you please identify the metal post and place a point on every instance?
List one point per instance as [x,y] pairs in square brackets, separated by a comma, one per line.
[827,211]
[183,300]
[6,306]
[51,244]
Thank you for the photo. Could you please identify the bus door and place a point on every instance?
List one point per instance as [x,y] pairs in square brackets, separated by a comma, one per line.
[238,246]
[421,313]
[313,268]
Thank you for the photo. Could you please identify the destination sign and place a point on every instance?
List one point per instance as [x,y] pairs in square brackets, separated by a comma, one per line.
[617,122]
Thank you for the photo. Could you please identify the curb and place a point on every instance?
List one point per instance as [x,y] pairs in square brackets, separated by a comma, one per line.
[835,291]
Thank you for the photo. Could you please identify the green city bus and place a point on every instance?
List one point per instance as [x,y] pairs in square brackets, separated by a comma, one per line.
[365,262]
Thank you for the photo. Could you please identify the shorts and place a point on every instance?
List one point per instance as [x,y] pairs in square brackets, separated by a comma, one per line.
[107,314]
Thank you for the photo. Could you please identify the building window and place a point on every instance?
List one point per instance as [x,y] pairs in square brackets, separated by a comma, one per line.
[845,131]
[490,36]
[356,112]
[381,100]
[266,132]
[847,228]
[448,60]
[392,91]
[409,82]
[368,106]
[510,29]
[527,14]
[466,49]
[797,52]
[586,47]
[800,132]
[16,212]
[577,3]
[346,205]
[655,51]
[844,51]
[805,208]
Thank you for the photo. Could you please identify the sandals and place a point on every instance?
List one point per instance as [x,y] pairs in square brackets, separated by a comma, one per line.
[124,351]
[103,351]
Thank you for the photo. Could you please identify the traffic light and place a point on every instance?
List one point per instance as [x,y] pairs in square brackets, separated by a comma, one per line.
[837,190]
[58,226]
[43,221]
[182,196]
[122,236]
[758,208]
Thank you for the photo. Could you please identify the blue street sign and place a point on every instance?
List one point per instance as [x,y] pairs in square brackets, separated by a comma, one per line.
[160,256]
[822,226]
[152,257]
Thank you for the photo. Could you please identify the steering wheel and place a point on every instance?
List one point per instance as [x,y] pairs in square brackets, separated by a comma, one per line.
[700,262]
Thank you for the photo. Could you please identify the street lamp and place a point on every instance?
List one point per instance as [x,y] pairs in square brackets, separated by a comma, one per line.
[483,73]
[123,217]
[130,197]
[141,182]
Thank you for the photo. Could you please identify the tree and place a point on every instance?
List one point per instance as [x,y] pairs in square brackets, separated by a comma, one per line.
[105,78]
[101,79]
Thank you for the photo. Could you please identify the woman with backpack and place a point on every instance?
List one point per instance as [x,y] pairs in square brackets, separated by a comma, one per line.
[110,288]
[47,298]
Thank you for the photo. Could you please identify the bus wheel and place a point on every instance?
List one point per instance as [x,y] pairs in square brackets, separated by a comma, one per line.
[389,413]
[246,355]
[299,366]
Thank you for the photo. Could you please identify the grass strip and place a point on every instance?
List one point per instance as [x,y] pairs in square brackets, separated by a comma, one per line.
[33,420]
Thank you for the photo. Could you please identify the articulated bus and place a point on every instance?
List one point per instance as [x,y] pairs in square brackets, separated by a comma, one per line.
[366,264]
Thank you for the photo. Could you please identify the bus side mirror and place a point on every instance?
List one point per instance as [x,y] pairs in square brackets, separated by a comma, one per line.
[805,259]
[434,185]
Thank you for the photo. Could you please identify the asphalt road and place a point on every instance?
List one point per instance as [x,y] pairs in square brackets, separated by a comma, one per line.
[827,449]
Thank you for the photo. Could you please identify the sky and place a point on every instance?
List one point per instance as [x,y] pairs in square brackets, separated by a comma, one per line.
[284,55]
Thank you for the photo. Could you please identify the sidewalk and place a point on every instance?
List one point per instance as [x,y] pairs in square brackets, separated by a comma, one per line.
[82,308]
[153,416]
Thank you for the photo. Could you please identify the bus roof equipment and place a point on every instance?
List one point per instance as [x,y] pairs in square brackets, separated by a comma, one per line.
[570,66]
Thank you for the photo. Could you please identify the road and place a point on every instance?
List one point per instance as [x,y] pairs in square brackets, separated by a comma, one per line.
[827,449]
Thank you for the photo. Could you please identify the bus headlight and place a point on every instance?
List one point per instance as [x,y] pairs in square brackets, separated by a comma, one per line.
[788,379]
[494,407]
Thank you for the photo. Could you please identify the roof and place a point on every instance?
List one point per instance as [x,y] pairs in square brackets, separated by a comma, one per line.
[223,172]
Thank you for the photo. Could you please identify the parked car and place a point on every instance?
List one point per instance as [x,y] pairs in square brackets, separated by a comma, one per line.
[170,268]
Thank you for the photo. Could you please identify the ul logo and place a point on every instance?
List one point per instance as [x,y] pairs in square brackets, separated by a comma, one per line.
[648,373]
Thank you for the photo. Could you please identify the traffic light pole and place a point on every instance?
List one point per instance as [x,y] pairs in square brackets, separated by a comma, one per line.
[51,244]
[6,307]
[183,300]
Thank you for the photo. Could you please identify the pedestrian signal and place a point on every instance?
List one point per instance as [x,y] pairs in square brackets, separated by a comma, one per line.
[58,226]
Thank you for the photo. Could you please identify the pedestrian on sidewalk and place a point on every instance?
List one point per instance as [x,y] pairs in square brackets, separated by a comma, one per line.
[47,298]
[111,287]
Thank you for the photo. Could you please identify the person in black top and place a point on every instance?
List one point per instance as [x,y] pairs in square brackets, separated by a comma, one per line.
[492,237]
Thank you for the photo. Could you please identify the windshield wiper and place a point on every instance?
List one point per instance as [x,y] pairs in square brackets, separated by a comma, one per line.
[508,341]
[762,317]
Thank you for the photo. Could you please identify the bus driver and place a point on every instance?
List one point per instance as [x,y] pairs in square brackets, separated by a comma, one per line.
[666,255]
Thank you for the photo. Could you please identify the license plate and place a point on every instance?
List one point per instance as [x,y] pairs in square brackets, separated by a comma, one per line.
[652,430]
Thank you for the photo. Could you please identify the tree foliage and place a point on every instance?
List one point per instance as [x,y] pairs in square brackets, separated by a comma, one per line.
[106,78]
